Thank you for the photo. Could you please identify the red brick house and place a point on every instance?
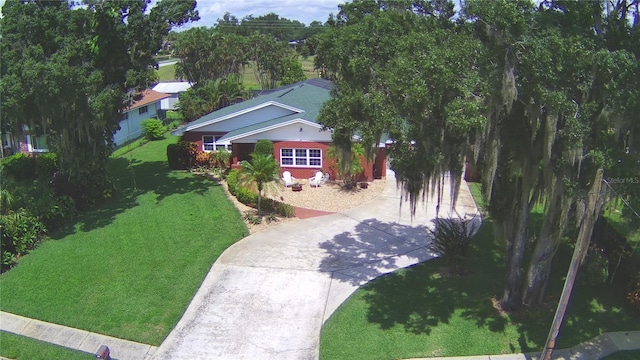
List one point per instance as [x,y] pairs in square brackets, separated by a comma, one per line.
[288,117]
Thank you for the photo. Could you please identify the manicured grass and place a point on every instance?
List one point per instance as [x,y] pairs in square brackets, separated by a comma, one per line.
[129,268]
[419,312]
[625,355]
[20,347]
[167,73]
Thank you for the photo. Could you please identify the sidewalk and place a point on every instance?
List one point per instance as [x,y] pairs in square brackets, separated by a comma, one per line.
[596,348]
[74,338]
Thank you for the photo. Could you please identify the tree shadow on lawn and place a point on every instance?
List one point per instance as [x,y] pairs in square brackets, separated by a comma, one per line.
[423,296]
[132,179]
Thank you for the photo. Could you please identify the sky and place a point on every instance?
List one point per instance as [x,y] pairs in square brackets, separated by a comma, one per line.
[304,11]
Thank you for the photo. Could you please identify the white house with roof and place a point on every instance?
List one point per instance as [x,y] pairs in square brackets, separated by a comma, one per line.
[142,109]
[173,89]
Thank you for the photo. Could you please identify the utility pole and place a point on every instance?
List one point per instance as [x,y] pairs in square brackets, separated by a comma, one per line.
[582,244]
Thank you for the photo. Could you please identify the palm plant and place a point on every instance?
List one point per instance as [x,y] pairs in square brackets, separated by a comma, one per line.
[261,171]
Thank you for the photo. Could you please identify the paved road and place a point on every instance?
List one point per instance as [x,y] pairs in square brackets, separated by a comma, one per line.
[268,295]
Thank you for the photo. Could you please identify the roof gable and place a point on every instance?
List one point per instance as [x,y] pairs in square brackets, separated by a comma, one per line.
[148,97]
[304,98]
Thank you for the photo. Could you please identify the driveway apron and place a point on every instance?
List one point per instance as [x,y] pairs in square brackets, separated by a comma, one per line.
[268,295]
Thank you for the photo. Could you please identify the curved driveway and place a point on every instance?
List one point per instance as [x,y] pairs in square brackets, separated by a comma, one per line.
[268,295]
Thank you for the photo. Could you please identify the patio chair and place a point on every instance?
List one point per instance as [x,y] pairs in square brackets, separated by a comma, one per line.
[316,180]
[287,179]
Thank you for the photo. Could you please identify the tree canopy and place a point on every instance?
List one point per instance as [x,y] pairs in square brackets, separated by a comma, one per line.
[68,71]
[538,96]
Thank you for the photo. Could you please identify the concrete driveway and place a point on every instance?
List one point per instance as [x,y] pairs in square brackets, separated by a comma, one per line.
[268,295]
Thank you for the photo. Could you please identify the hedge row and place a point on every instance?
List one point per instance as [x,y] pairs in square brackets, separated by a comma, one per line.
[250,198]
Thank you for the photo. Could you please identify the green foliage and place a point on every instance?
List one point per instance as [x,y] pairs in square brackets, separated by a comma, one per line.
[208,55]
[260,171]
[21,232]
[182,156]
[20,166]
[67,70]
[452,240]
[153,129]
[46,165]
[248,197]
[264,147]
[252,218]
[634,292]
[349,162]
[596,266]
[210,96]
[232,181]
[292,71]
[223,158]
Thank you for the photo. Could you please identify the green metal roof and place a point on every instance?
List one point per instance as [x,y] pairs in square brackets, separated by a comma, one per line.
[308,95]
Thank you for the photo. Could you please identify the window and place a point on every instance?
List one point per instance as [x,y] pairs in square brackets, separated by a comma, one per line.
[209,143]
[301,157]
[143,110]
[37,143]
[125,116]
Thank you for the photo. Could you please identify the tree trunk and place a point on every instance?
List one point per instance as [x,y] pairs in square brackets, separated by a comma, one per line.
[515,234]
[553,228]
[259,202]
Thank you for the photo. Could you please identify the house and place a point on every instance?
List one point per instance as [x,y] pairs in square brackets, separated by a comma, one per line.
[173,89]
[288,117]
[146,107]
[26,142]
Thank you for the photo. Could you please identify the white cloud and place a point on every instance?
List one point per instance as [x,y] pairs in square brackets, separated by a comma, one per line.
[304,11]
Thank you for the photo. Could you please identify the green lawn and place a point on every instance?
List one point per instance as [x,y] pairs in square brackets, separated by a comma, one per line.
[129,268]
[625,355]
[167,73]
[20,347]
[418,312]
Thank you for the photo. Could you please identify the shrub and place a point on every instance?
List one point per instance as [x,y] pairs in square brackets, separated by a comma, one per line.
[451,240]
[206,159]
[21,232]
[264,147]
[21,166]
[596,266]
[232,181]
[634,291]
[223,159]
[278,207]
[46,164]
[252,218]
[246,196]
[153,129]
[182,156]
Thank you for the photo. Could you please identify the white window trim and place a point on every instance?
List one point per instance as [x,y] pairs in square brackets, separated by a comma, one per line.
[215,144]
[30,145]
[307,157]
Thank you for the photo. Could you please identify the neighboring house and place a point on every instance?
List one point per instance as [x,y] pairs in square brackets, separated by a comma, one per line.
[286,116]
[132,117]
[26,142]
[173,89]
